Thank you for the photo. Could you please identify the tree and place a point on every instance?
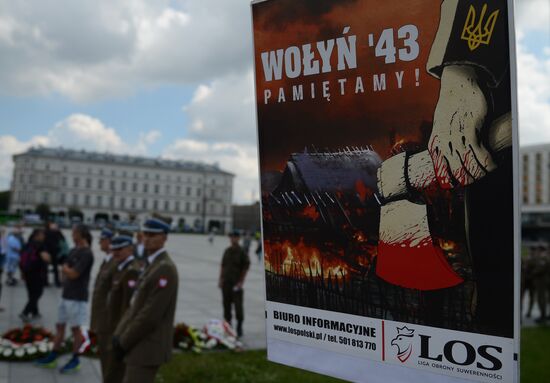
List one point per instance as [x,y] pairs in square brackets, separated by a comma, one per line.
[4,200]
[43,210]
[75,212]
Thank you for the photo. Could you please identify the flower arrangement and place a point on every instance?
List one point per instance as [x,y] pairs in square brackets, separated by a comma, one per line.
[215,334]
[27,343]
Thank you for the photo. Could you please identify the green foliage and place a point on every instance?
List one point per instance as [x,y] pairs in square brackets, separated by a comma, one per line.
[233,367]
[4,200]
[534,354]
[43,210]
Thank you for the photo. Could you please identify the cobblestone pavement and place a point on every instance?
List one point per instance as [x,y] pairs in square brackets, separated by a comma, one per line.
[199,299]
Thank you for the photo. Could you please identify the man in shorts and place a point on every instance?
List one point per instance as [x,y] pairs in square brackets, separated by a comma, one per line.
[72,309]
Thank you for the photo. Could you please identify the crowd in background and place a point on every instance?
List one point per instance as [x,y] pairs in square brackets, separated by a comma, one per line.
[44,259]
[535,281]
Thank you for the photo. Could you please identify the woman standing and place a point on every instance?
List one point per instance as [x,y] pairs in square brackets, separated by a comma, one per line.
[34,269]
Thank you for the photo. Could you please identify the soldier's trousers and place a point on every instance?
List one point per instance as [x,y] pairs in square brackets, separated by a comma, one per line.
[104,347]
[231,297]
[140,374]
[115,370]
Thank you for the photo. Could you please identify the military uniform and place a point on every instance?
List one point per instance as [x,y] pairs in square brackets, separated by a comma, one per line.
[234,263]
[99,323]
[145,331]
[124,284]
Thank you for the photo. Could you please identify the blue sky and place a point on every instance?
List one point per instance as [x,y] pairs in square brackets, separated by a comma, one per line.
[159,108]
[171,78]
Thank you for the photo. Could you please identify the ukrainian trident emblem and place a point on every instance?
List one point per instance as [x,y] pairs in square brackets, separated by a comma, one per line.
[474,32]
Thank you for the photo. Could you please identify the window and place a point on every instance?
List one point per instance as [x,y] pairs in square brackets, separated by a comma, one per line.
[198,192]
[99,201]
[112,185]
[157,188]
[76,182]
[64,181]
[187,207]
[45,197]
[187,190]
[123,186]
[100,172]
[122,203]
[112,202]
[198,207]
[155,204]
[212,193]
[178,190]
[145,188]
[177,207]
[144,204]
[75,199]
[167,188]
[166,205]
[133,203]
[134,187]
[157,177]
[87,200]
[100,184]
[62,198]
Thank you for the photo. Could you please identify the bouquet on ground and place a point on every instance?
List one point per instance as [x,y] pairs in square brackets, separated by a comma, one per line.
[26,343]
[189,338]
[216,334]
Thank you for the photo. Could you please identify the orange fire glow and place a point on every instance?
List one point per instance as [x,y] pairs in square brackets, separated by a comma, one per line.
[303,261]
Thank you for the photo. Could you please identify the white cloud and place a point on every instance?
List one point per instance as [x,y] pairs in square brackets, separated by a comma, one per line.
[238,159]
[532,15]
[9,145]
[223,110]
[533,97]
[97,49]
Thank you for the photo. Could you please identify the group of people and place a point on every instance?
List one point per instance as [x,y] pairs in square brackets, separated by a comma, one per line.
[44,247]
[535,280]
[133,302]
[134,296]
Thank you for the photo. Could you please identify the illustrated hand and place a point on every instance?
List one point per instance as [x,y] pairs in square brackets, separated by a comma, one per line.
[455,145]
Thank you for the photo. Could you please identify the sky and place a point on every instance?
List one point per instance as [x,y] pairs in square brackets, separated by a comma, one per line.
[173,79]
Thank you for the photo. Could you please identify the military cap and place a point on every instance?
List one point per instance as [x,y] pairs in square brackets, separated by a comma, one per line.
[106,233]
[157,224]
[121,241]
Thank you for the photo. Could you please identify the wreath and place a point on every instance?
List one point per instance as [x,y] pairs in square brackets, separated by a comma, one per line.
[26,343]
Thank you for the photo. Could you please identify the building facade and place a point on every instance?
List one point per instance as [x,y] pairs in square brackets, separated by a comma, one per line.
[112,187]
[535,191]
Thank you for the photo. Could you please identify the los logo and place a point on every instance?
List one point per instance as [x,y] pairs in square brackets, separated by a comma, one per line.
[455,352]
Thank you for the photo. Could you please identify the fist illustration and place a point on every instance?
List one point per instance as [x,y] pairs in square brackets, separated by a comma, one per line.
[455,146]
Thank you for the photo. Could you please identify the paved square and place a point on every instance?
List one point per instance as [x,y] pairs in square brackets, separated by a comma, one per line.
[199,299]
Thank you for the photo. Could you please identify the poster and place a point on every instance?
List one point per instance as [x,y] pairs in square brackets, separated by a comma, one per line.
[388,164]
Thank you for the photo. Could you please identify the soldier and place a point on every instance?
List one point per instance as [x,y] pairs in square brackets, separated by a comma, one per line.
[233,270]
[528,280]
[98,323]
[542,281]
[125,278]
[143,338]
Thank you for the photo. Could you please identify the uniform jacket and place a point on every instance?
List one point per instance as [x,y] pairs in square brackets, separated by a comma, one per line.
[146,329]
[125,280]
[102,286]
